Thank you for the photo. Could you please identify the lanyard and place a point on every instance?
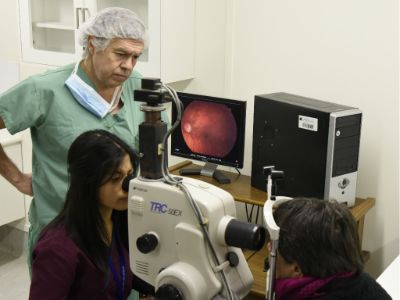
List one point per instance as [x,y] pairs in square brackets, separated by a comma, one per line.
[119,284]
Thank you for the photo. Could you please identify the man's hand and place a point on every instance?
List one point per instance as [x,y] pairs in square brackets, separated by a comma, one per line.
[21,181]
[24,184]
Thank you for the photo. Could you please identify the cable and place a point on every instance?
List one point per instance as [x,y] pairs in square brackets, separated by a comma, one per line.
[251,214]
[237,170]
[247,212]
[258,210]
[251,255]
[193,203]
[167,178]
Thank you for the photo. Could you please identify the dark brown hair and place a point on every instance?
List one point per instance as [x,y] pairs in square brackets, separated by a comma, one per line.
[319,235]
[93,158]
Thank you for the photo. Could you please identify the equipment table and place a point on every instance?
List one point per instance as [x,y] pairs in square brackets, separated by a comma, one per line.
[242,191]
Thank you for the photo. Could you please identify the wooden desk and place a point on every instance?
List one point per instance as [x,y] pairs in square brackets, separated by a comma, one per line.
[240,186]
[241,190]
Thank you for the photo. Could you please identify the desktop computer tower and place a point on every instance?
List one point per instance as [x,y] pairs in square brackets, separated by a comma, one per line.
[315,143]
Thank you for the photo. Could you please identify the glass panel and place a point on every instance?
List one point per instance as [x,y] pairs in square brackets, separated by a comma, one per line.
[53,25]
[53,40]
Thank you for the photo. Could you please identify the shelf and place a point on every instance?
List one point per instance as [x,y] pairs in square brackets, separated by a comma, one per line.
[54,25]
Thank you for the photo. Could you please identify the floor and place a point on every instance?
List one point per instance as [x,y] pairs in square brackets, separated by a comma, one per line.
[14,274]
[14,277]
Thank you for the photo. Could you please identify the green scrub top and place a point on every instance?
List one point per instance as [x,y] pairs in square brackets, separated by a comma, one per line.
[44,104]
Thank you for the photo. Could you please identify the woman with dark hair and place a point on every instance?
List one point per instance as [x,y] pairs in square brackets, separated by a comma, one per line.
[319,254]
[82,253]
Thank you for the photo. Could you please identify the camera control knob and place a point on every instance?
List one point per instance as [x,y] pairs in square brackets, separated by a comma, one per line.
[147,242]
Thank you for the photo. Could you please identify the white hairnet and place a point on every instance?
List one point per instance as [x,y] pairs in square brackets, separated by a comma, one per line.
[113,22]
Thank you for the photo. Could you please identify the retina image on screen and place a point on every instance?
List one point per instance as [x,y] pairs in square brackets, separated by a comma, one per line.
[211,130]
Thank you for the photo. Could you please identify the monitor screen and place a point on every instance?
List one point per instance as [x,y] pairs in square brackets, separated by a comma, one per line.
[212,130]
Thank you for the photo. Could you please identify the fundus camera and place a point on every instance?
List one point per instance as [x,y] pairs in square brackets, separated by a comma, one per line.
[169,250]
[184,238]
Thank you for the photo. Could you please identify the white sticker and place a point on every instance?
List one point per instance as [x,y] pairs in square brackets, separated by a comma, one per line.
[308,123]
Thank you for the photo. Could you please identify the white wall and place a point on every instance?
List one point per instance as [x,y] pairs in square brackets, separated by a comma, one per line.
[340,51]
[9,31]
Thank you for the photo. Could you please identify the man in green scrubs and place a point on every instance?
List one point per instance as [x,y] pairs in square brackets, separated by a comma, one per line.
[59,105]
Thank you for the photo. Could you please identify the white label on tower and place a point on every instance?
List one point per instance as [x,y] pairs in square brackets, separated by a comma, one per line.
[308,123]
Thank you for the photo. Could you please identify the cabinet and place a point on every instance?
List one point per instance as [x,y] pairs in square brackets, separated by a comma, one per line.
[49,33]
[11,200]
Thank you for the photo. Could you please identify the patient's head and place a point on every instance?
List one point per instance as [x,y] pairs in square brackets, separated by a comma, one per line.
[318,238]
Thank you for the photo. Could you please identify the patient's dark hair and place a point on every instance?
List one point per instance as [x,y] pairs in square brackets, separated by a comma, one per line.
[319,235]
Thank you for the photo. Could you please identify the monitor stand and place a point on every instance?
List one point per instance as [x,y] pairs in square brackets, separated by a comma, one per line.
[209,169]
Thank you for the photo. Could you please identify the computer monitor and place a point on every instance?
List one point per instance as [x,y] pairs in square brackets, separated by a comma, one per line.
[212,130]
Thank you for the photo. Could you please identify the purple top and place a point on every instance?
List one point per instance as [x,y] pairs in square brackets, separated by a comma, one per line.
[60,270]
